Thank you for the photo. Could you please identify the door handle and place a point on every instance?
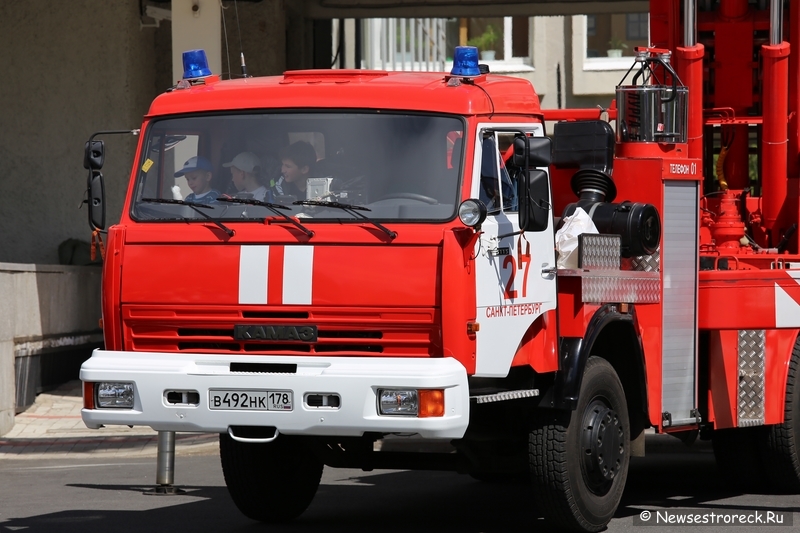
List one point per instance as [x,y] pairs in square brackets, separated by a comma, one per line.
[548,272]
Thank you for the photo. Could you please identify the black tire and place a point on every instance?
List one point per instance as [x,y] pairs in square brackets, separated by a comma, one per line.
[781,456]
[272,482]
[579,460]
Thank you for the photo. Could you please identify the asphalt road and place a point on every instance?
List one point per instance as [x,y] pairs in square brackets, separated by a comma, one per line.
[79,495]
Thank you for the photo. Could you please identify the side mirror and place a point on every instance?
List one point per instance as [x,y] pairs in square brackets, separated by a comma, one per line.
[535,149]
[534,201]
[97,200]
[93,155]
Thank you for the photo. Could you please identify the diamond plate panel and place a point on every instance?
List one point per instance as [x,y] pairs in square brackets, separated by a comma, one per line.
[598,289]
[646,263]
[599,252]
[751,377]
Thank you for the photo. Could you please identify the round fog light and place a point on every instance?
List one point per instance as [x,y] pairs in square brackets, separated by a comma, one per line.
[472,212]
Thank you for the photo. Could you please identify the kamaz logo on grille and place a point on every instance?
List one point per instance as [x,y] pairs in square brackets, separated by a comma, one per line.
[275,333]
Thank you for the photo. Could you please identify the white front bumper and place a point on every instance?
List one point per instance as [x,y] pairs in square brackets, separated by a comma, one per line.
[355,379]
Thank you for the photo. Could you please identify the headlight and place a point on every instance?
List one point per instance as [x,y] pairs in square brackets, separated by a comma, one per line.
[422,403]
[472,212]
[115,395]
[398,402]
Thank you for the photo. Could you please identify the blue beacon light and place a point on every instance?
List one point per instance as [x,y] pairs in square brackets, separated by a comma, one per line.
[195,64]
[465,62]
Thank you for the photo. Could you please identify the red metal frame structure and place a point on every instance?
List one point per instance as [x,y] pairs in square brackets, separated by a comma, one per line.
[741,60]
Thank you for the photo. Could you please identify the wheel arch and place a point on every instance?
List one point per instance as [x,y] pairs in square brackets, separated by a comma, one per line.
[612,336]
[781,388]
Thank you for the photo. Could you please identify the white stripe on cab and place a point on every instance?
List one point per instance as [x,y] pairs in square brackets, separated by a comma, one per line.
[253,268]
[298,268]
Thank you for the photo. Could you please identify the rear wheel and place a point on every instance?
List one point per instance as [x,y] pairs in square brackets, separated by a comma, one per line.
[272,482]
[781,456]
[579,460]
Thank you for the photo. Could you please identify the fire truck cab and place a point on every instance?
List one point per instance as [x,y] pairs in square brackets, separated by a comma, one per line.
[444,269]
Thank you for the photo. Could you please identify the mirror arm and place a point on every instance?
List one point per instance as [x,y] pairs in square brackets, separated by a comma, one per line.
[113,132]
[92,161]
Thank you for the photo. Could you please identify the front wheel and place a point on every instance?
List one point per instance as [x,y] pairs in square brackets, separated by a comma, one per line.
[579,460]
[272,482]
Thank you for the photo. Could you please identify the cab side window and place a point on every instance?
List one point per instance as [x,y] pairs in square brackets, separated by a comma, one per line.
[508,174]
[497,189]
[490,183]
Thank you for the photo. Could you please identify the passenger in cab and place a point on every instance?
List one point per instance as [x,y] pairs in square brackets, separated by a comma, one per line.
[297,165]
[197,171]
[245,175]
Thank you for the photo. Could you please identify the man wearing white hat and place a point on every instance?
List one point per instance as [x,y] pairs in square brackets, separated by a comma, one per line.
[245,174]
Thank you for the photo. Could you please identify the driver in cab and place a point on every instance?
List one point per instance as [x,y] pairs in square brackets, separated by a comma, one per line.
[197,171]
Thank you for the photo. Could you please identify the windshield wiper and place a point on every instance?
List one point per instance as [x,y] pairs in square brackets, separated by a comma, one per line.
[352,210]
[275,208]
[194,206]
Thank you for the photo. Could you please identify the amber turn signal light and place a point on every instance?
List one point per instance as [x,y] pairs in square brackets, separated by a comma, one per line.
[431,403]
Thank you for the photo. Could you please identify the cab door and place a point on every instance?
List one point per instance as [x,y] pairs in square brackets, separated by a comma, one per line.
[515,271]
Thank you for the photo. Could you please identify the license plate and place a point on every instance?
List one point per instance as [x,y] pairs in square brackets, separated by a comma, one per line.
[250,400]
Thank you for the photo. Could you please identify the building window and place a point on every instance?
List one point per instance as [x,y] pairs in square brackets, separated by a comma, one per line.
[615,34]
[497,38]
[637,26]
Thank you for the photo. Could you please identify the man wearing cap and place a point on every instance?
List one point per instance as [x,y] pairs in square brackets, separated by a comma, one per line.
[197,171]
[245,174]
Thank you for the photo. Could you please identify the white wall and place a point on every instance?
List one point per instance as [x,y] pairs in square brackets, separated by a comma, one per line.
[43,305]
[584,83]
[549,51]
[598,76]
[196,24]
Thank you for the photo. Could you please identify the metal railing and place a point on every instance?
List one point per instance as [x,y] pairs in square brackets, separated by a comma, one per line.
[405,44]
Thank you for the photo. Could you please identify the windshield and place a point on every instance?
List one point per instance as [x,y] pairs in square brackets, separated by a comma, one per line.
[401,167]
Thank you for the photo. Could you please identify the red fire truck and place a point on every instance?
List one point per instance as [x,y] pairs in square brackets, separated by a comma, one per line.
[413,285]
